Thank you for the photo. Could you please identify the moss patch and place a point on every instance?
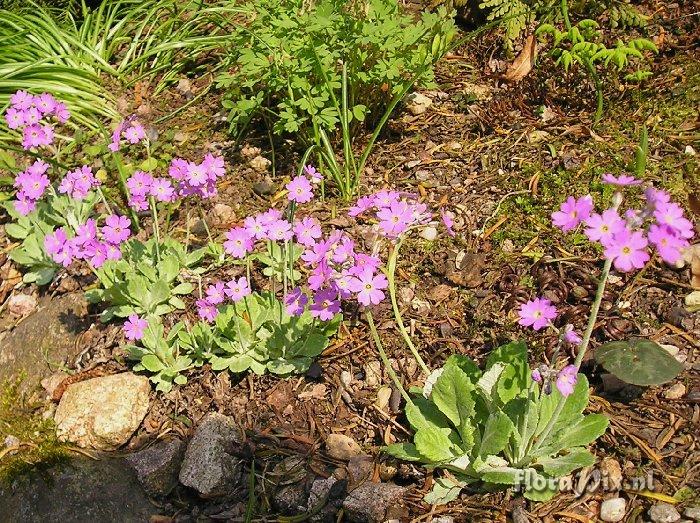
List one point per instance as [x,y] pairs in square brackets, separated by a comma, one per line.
[38,445]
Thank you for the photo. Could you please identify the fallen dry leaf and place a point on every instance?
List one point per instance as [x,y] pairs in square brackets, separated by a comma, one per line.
[523,63]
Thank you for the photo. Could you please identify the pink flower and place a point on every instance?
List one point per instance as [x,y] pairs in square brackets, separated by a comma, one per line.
[368,287]
[22,100]
[343,281]
[32,136]
[77,183]
[627,249]
[656,197]
[449,223]
[572,212]
[295,302]
[602,227]
[134,327]
[300,190]
[320,276]
[32,116]
[307,231]
[139,183]
[86,232]
[54,242]
[45,103]
[134,133]
[162,190]
[537,313]
[566,380]
[325,305]
[385,198]
[214,166]
[671,214]
[394,219]
[668,244]
[178,169]
[256,227]
[61,111]
[206,310]
[239,242]
[362,205]
[280,230]
[365,262]
[216,293]
[536,376]
[621,181]
[311,172]
[197,175]
[571,336]
[238,289]
[116,229]
[25,206]
[14,118]
[31,184]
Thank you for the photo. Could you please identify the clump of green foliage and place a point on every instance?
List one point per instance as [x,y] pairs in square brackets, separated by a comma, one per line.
[321,71]
[256,334]
[497,427]
[581,44]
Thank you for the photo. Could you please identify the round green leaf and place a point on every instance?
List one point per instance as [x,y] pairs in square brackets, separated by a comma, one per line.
[639,362]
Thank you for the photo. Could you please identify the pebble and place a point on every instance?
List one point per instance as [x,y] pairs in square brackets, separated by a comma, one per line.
[692,513]
[383,397]
[675,392]
[664,513]
[264,187]
[418,103]
[612,473]
[429,233]
[21,305]
[260,163]
[343,447]
[373,373]
[613,509]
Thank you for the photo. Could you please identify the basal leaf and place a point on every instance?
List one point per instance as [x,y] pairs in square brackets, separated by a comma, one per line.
[639,362]
[434,443]
[496,434]
[403,451]
[562,465]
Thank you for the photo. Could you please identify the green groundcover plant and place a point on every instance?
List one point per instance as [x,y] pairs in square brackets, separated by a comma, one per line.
[321,70]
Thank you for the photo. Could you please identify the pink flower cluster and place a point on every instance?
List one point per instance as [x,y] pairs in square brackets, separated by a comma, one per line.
[78,183]
[31,185]
[134,327]
[217,293]
[186,179]
[131,130]
[90,243]
[29,113]
[396,212]
[626,238]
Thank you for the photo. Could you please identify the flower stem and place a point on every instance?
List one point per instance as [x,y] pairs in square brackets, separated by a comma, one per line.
[156,230]
[391,276]
[382,355]
[581,350]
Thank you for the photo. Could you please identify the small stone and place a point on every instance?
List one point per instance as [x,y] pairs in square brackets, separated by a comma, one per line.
[383,397]
[429,233]
[360,468]
[417,103]
[374,503]
[104,412]
[264,187]
[342,447]
[692,513]
[322,499]
[406,294]
[612,473]
[664,513]
[157,467]
[290,500]
[689,150]
[613,509]
[21,305]
[52,382]
[10,442]
[248,151]
[184,86]
[260,163]
[675,392]
[223,215]
[180,137]
[373,373]
[209,465]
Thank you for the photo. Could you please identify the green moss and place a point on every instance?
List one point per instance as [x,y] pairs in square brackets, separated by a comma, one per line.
[39,445]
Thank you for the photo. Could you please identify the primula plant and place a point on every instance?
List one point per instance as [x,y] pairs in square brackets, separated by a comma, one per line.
[512,426]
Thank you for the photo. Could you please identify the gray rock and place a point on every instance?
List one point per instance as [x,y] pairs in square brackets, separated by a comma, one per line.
[417,103]
[692,513]
[46,339]
[264,187]
[210,466]
[664,513]
[157,467]
[325,499]
[82,490]
[360,468]
[290,500]
[613,509]
[374,503]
